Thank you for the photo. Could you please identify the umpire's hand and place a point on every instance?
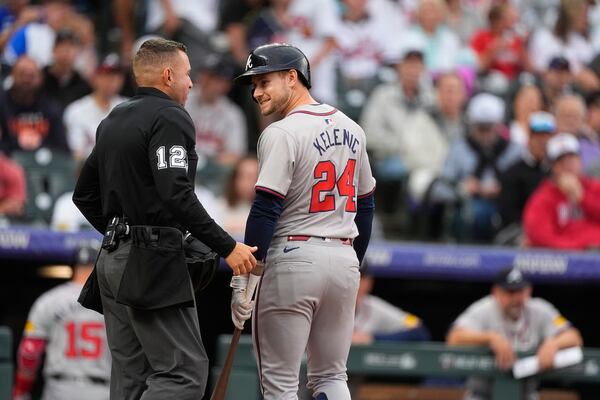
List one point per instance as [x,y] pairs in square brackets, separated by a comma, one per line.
[241,260]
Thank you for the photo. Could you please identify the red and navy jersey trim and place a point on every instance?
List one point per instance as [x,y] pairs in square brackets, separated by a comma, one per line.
[316,114]
[270,191]
[362,196]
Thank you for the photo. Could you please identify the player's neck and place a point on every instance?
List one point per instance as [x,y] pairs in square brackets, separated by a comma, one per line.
[302,98]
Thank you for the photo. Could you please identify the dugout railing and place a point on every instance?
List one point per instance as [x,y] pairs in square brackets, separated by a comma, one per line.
[409,360]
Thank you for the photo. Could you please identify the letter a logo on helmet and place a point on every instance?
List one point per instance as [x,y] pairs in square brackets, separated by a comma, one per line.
[276,57]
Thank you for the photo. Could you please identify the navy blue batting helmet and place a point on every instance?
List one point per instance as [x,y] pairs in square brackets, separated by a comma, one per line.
[276,57]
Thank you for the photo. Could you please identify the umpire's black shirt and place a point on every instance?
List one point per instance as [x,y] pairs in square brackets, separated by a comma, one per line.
[143,167]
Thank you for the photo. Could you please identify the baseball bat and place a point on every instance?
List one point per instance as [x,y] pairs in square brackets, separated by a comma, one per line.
[220,389]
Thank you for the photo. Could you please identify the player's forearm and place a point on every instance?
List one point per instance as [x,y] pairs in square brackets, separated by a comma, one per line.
[568,338]
[262,221]
[29,358]
[461,336]
[364,222]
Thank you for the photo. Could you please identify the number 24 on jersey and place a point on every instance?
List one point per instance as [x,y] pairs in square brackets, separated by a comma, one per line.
[323,196]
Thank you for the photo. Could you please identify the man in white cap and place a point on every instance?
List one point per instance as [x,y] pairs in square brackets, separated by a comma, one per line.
[564,212]
[509,321]
[471,170]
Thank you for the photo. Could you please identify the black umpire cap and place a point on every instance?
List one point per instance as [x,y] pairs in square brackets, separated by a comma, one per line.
[511,279]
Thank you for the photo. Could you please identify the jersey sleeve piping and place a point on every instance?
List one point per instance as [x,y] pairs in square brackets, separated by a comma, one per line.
[362,196]
[270,191]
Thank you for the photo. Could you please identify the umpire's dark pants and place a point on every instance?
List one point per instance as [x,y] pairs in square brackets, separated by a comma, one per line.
[156,354]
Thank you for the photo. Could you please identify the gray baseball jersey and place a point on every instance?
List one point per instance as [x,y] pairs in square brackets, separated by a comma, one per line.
[315,159]
[78,360]
[540,320]
[376,316]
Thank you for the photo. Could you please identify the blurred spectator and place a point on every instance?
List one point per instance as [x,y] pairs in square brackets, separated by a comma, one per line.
[61,81]
[377,320]
[593,122]
[537,13]
[234,18]
[564,212]
[77,361]
[528,100]
[14,15]
[193,23]
[66,217]
[441,47]
[220,124]
[235,204]
[28,119]
[362,47]
[12,188]
[521,179]
[570,118]
[310,25]
[557,81]
[569,39]
[83,116]
[510,321]
[500,48]
[36,39]
[463,19]
[470,177]
[449,111]
[402,136]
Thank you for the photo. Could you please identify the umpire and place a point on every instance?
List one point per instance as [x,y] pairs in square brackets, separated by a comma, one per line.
[136,188]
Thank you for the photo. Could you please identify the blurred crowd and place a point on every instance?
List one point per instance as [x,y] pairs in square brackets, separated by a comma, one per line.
[482,116]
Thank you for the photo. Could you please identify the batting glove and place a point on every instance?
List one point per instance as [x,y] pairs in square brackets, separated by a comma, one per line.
[241,306]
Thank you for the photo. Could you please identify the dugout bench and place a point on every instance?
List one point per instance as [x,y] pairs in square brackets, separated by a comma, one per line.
[6,367]
[407,360]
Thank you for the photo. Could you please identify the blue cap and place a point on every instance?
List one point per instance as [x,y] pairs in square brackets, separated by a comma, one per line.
[542,122]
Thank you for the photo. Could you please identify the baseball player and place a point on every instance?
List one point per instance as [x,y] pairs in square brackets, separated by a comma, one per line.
[377,320]
[509,321]
[77,363]
[311,220]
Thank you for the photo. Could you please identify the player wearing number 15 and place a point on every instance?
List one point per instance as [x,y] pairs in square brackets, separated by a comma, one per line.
[311,221]
[77,363]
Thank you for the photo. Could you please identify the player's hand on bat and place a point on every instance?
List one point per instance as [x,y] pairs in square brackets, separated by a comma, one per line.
[241,260]
[241,307]
[505,355]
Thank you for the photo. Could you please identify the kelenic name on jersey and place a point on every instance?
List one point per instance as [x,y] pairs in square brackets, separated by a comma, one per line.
[326,139]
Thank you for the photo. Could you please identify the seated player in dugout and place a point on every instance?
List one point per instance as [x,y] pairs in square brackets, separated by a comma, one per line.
[509,321]
[378,320]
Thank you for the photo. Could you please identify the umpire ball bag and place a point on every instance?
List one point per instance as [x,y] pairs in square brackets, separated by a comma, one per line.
[202,262]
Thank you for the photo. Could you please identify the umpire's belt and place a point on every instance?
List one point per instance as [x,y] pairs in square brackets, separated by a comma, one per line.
[157,236]
[303,238]
[86,379]
[156,273]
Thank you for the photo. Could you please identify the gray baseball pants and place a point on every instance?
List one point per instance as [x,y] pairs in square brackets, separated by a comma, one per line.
[156,354]
[305,302]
